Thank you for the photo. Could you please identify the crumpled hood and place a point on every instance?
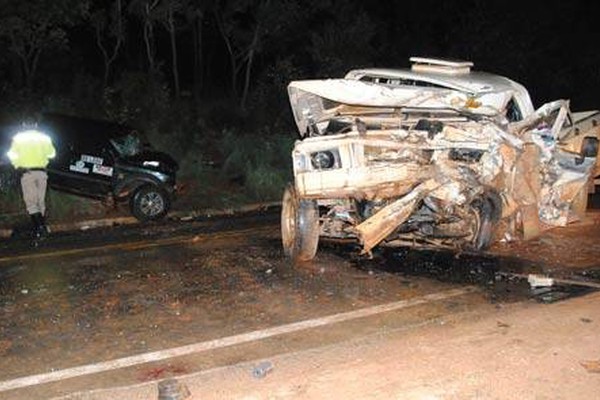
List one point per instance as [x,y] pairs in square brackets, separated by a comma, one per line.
[314,101]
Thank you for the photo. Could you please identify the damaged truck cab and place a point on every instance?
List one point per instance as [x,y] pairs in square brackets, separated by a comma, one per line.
[434,156]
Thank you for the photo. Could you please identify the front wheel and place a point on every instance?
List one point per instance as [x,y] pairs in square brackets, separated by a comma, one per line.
[487,210]
[299,226]
[149,203]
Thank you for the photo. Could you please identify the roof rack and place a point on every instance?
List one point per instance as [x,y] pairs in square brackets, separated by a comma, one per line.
[440,66]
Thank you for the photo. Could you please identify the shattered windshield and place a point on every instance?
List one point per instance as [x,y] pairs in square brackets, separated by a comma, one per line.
[128,145]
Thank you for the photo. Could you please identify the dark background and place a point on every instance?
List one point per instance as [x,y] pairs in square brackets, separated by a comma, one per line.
[206,80]
[551,47]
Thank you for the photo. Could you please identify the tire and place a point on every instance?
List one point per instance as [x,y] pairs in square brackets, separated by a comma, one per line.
[149,203]
[299,226]
[487,210]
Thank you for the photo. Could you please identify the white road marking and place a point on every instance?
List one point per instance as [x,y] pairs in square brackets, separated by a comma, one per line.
[104,366]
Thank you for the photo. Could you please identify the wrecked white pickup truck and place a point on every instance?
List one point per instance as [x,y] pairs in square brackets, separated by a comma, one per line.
[434,156]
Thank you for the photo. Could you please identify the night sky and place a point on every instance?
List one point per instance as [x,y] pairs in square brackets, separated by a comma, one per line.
[551,47]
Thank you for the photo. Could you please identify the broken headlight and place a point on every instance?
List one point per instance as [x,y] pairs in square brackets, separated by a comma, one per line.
[326,159]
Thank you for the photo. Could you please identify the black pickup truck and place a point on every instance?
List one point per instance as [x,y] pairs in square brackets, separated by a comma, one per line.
[114,162]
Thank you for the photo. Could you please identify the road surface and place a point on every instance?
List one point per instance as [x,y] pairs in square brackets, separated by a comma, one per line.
[128,307]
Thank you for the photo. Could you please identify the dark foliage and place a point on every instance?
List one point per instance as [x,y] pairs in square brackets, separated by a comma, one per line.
[242,53]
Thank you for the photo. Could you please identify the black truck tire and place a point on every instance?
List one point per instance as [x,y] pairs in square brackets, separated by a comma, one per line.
[488,209]
[299,226]
[149,203]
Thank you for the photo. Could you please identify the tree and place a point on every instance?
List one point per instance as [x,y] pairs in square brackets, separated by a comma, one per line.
[195,13]
[36,26]
[342,43]
[109,27]
[149,13]
[168,15]
[246,26]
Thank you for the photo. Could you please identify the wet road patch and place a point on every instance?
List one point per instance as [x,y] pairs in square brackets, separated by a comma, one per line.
[504,278]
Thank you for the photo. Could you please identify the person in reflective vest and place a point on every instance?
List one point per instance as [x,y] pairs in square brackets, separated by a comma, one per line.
[29,153]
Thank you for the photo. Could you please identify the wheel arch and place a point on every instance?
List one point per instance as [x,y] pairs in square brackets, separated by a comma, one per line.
[128,187]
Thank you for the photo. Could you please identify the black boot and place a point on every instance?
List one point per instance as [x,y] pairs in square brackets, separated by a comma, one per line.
[37,221]
[43,227]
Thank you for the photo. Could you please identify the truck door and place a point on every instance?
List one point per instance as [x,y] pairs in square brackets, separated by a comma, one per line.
[84,167]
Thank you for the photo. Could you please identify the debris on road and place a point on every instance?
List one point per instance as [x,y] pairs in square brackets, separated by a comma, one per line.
[262,369]
[172,389]
[592,366]
[536,281]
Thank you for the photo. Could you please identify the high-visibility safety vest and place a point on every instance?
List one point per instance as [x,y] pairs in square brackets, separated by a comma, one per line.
[31,149]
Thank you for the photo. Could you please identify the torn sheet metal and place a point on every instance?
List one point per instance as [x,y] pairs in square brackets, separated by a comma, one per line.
[566,182]
[379,226]
[433,167]
[313,101]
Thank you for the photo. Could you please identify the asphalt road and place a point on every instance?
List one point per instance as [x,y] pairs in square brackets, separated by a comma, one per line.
[137,304]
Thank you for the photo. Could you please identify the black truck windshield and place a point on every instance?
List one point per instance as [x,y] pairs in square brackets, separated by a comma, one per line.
[128,145]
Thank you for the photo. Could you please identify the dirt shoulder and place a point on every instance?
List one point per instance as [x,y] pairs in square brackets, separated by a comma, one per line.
[573,247]
[521,351]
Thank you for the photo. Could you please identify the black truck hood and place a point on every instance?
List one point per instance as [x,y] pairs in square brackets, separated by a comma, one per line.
[154,160]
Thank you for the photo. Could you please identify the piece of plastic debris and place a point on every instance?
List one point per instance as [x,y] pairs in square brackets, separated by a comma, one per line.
[25,291]
[592,366]
[539,281]
[262,369]
[172,389]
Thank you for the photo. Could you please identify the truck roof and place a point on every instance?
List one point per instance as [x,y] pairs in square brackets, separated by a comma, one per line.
[448,74]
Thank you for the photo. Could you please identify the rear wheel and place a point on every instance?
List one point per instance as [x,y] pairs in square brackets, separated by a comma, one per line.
[149,203]
[299,226]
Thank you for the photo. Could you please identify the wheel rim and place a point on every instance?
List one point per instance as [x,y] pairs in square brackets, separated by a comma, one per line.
[288,221]
[152,204]
[475,226]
